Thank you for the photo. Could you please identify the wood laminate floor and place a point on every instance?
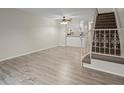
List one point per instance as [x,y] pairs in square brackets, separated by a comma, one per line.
[59,65]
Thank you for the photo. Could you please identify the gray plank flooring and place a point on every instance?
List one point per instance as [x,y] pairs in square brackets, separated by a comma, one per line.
[59,65]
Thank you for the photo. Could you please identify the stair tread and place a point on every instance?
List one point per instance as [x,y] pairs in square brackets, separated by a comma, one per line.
[105,21]
[101,27]
[105,18]
[111,23]
[106,15]
[109,13]
[105,25]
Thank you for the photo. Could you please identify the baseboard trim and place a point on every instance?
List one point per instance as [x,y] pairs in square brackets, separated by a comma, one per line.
[1,60]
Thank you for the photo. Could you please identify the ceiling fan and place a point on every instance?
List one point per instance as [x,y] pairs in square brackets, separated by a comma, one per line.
[63,17]
[65,20]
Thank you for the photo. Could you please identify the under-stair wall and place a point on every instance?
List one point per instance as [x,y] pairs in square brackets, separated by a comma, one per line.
[120,12]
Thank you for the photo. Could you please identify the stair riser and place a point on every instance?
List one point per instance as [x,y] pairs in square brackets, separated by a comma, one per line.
[98,24]
[105,22]
[108,20]
[102,18]
[105,27]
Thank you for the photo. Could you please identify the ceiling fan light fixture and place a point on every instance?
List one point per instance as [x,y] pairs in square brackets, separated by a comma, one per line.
[64,22]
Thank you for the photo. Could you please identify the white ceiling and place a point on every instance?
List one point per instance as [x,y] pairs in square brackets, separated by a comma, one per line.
[105,10]
[59,12]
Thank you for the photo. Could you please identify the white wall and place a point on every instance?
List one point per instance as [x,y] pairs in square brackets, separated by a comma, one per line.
[120,12]
[21,33]
[73,41]
[105,10]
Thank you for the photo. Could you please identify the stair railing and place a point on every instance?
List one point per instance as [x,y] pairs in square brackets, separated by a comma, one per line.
[87,49]
[88,41]
[115,43]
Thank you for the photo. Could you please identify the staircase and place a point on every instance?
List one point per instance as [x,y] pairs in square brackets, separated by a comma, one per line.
[106,42]
[106,51]
[106,21]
